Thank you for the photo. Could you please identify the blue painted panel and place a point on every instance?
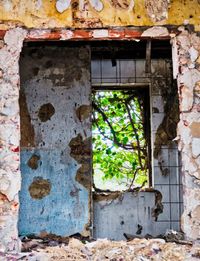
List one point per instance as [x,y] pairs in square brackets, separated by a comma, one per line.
[65,210]
[58,80]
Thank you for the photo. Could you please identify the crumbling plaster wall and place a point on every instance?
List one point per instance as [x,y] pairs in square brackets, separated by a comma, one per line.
[161,208]
[97,13]
[132,215]
[186,66]
[186,56]
[56,158]
[10,177]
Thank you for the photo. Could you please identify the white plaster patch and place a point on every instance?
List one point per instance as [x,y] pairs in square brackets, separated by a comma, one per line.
[7,5]
[14,39]
[184,40]
[175,58]
[190,164]
[185,133]
[97,5]
[62,5]
[193,54]
[5,183]
[9,161]
[189,78]
[10,136]
[100,33]
[66,34]
[39,34]
[186,99]
[38,4]
[9,106]
[196,147]
[156,31]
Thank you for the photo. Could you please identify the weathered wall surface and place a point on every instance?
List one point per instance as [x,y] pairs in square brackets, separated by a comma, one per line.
[97,13]
[55,140]
[165,157]
[128,212]
[186,51]
[10,134]
[94,14]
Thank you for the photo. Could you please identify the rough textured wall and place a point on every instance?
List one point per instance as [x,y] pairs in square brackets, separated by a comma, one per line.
[165,158]
[97,13]
[133,215]
[55,140]
[187,69]
[10,49]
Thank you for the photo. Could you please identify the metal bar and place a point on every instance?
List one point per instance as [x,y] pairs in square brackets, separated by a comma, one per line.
[148,57]
[117,86]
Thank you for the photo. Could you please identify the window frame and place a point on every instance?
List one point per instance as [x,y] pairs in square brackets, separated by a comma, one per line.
[146,89]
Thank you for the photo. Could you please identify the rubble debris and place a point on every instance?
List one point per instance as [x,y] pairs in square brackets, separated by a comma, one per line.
[169,236]
[32,242]
[102,249]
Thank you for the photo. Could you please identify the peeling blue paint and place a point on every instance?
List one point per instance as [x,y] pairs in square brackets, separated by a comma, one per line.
[64,210]
[59,212]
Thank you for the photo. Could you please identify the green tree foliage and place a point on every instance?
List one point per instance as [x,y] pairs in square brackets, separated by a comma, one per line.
[119,143]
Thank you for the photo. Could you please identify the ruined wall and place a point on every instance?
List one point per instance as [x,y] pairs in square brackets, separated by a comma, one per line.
[165,157]
[186,56]
[129,212]
[10,49]
[45,14]
[55,140]
[97,13]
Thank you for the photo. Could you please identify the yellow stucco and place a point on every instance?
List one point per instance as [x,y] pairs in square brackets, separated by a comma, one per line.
[43,14]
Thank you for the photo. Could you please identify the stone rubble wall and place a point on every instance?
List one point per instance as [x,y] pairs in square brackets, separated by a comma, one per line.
[10,179]
[187,67]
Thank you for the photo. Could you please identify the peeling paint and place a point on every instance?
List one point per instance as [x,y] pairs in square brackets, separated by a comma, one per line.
[158,209]
[92,14]
[39,188]
[188,129]
[83,112]
[27,130]
[33,161]
[55,81]
[129,208]
[81,152]
[46,111]
[9,119]
[98,13]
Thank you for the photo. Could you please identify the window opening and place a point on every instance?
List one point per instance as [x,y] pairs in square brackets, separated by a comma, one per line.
[120,127]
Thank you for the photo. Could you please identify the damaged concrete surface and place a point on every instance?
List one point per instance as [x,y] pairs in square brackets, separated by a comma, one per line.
[54,105]
[187,71]
[188,46]
[157,9]
[10,137]
[97,13]
[165,163]
[81,151]
[132,210]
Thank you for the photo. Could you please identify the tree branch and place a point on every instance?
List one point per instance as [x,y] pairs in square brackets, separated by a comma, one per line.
[115,140]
